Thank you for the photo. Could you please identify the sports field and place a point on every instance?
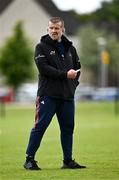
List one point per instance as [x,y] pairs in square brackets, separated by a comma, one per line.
[96,144]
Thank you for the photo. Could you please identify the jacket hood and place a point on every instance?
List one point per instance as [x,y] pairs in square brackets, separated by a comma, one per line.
[48,40]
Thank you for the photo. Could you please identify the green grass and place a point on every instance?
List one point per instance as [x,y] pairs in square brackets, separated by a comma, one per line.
[96,144]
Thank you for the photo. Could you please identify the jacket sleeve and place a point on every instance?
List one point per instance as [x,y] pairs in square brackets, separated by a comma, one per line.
[76,61]
[44,68]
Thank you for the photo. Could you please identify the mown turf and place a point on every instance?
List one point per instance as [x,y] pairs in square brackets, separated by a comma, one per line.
[96,144]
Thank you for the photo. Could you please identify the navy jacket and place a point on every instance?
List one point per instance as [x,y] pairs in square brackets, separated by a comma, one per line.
[53,68]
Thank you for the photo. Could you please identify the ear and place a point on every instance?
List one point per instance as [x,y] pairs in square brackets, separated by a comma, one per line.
[63,30]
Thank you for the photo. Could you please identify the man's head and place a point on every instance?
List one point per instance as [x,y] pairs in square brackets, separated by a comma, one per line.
[56,28]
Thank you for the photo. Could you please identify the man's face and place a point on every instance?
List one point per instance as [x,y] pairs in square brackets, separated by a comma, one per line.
[55,30]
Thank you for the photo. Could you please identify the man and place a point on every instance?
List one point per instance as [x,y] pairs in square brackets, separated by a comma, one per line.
[57,62]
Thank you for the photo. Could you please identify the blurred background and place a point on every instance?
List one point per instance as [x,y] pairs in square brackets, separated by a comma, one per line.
[93,26]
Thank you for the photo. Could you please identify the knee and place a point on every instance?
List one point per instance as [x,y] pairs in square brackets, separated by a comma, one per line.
[67,130]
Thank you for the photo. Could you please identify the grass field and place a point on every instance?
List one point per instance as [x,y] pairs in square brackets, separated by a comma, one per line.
[96,144]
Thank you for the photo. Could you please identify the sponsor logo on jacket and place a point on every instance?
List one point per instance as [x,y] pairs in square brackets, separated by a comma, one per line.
[52,52]
[40,56]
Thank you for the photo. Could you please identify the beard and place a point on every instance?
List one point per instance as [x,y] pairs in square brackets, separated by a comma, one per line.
[55,36]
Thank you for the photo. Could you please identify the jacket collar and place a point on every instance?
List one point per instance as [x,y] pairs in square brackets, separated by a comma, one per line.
[47,40]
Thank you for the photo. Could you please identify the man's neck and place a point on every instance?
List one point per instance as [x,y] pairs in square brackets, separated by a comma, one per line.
[59,40]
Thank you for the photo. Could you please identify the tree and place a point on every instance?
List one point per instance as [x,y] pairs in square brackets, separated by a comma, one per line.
[108,12]
[106,17]
[89,51]
[16,58]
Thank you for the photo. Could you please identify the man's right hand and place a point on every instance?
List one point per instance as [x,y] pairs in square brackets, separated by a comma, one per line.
[71,74]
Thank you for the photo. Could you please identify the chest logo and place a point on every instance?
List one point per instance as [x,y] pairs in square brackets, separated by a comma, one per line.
[52,52]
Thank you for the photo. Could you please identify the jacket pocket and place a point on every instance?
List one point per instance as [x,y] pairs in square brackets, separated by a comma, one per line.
[75,82]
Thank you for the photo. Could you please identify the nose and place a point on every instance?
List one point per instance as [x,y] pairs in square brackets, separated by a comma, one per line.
[53,30]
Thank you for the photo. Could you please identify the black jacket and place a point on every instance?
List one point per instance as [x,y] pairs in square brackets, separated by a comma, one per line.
[53,69]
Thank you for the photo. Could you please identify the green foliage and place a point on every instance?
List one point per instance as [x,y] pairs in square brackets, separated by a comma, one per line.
[89,51]
[87,38]
[113,46]
[109,12]
[16,58]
